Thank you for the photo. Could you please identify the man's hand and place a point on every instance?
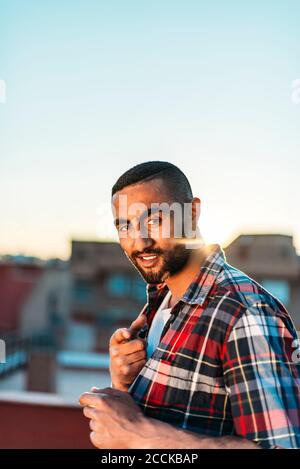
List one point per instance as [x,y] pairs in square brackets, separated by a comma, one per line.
[127,354]
[116,420]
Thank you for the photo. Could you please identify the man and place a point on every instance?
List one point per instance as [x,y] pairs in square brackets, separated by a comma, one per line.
[210,361]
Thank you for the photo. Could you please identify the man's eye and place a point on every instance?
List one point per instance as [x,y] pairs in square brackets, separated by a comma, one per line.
[123,228]
[154,221]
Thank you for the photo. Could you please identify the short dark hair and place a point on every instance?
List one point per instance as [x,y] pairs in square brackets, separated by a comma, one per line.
[175,179]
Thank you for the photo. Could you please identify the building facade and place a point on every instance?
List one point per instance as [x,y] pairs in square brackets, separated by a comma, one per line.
[271,260]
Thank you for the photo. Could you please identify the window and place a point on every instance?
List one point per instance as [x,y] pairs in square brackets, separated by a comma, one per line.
[278,288]
[122,286]
[82,291]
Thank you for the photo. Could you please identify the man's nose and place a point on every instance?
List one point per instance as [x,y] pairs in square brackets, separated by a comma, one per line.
[141,241]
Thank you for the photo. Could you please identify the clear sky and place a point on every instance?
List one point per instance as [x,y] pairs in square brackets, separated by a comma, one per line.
[94,87]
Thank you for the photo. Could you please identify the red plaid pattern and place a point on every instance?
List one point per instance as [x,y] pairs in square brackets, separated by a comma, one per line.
[224,364]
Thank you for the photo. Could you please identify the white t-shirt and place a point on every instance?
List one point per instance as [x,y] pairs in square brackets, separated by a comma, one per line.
[161,317]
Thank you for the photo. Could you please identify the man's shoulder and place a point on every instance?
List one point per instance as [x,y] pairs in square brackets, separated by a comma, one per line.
[235,294]
[245,289]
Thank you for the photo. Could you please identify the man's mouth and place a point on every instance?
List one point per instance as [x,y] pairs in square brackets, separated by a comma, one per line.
[148,260]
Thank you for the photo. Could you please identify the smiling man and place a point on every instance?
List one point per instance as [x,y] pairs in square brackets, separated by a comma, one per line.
[210,360]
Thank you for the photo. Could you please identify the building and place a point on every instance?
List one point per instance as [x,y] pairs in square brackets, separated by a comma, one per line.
[87,299]
[107,292]
[33,295]
[271,260]
[34,307]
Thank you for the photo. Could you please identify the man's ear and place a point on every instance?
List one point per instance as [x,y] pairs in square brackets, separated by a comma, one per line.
[196,209]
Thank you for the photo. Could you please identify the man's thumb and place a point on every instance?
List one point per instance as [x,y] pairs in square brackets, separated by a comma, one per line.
[138,323]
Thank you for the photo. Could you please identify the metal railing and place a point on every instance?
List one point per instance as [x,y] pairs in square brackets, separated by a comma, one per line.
[16,349]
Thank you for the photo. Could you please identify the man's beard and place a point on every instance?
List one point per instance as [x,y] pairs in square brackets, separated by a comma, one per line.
[172,262]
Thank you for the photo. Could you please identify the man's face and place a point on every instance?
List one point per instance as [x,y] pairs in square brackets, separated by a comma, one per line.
[147,236]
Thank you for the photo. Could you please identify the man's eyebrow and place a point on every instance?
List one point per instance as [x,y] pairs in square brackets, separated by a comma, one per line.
[119,221]
[149,211]
[145,214]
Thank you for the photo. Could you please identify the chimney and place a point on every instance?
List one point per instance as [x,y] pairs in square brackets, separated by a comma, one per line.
[42,367]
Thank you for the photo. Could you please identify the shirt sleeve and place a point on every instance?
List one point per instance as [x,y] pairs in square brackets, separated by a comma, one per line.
[262,377]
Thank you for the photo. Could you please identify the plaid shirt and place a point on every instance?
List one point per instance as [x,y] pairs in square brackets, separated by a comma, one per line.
[227,360]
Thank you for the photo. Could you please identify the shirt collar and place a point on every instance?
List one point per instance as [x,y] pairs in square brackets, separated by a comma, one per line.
[202,283]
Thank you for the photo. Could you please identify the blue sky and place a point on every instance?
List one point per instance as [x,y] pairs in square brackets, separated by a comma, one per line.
[94,87]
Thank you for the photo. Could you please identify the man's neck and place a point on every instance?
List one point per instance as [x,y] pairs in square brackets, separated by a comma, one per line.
[179,282]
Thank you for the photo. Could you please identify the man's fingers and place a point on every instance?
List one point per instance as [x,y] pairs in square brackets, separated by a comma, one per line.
[107,390]
[97,398]
[137,366]
[133,346]
[124,334]
[135,357]
[131,358]
[89,413]
[112,392]
[130,371]
[120,336]
[94,400]
[138,323]
[92,425]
